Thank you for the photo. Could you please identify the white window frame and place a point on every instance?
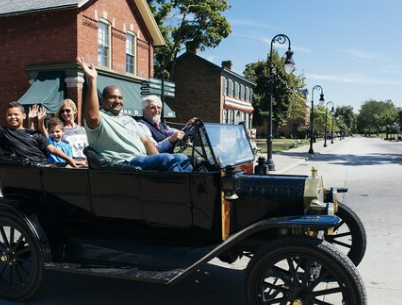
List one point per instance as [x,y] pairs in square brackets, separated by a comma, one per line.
[104,43]
[131,52]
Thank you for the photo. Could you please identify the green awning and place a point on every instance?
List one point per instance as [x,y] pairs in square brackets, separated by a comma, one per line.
[47,90]
[131,95]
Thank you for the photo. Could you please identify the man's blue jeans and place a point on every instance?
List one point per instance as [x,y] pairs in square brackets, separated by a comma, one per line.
[163,162]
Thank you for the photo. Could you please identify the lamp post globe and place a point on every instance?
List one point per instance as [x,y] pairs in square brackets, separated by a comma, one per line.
[316,87]
[289,68]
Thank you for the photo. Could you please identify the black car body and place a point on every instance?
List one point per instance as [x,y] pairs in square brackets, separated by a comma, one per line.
[119,221]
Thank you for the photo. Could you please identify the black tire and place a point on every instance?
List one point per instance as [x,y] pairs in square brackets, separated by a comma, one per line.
[21,262]
[302,270]
[349,235]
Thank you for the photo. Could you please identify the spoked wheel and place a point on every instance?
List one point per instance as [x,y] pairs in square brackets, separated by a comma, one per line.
[302,270]
[21,265]
[349,235]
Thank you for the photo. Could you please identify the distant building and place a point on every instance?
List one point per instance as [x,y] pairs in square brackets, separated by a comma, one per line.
[211,92]
[295,128]
[41,39]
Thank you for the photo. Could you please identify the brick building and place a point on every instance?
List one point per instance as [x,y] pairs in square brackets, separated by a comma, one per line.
[295,128]
[211,92]
[41,39]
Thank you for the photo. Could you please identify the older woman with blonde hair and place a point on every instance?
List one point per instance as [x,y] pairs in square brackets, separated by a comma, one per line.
[74,134]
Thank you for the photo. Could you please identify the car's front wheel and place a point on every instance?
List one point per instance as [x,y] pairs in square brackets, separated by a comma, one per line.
[302,270]
[21,263]
[349,235]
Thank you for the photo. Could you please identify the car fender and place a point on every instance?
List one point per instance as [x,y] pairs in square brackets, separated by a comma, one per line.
[25,212]
[316,222]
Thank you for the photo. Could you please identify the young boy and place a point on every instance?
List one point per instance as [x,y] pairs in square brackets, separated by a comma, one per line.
[26,143]
[56,132]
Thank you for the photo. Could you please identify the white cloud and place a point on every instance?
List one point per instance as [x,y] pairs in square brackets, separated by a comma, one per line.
[358,55]
[353,79]
[285,46]
[249,23]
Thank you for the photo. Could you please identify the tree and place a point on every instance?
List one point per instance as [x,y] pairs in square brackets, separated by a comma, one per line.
[196,24]
[288,102]
[349,118]
[319,119]
[377,116]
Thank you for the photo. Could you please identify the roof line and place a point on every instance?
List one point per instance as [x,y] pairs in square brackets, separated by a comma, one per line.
[150,22]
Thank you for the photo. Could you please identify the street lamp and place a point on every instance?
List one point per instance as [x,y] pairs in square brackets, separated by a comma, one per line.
[316,87]
[332,130]
[289,68]
[326,119]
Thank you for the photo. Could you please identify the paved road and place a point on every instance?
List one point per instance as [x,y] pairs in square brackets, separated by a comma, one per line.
[372,170]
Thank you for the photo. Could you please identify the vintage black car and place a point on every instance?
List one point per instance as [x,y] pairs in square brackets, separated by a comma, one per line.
[120,221]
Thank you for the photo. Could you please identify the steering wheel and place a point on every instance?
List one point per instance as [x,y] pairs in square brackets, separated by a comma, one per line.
[183,144]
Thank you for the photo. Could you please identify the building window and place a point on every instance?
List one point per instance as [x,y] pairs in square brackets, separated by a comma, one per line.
[230,88]
[103,44]
[130,53]
[225,86]
[242,92]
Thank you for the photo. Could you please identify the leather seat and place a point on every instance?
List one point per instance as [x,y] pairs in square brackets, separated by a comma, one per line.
[96,161]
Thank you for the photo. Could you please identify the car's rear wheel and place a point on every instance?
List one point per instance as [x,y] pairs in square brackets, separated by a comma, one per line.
[21,263]
[302,270]
[349,235]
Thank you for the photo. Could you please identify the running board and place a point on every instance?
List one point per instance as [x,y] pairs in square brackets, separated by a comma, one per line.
[124,272]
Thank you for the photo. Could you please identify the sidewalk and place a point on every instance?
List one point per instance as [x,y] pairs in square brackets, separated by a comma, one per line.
[287,159]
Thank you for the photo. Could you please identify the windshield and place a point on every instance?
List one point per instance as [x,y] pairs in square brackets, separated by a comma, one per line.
[229,143]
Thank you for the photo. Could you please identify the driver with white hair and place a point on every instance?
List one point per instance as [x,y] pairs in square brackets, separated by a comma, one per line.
[161,134]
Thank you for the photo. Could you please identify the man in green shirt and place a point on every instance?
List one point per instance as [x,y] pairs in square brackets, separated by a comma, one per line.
[119,138]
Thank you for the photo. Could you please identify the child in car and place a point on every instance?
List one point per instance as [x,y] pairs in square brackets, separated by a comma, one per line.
[27,144]
[56,132]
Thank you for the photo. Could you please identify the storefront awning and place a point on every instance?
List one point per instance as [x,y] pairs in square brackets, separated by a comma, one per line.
[47,90]
[238,105]
[131,94]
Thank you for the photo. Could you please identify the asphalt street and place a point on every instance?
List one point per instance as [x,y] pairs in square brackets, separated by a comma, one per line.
[371,170]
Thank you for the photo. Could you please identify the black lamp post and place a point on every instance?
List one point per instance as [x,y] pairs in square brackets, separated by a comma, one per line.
[316,87]
[332,130]
[326,120]
[289,68]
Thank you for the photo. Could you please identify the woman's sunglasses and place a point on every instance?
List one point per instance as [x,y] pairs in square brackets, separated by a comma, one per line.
[65,110]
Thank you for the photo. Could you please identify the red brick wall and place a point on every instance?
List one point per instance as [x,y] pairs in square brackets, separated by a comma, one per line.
[57,37]
[198,91]
[123,16]
[33,39]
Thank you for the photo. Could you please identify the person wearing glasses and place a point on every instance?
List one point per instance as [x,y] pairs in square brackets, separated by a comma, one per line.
[161,134]
[74,134]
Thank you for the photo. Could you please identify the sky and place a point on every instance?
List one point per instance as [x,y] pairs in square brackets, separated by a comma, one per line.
[351,48]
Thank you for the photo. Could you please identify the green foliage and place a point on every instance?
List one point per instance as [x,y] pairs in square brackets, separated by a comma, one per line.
[197,24]
[376,116]
[288,103]
[346,119]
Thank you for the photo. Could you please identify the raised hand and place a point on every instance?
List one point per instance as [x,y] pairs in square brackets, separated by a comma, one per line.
[89,70]
[33,112]
[41,114]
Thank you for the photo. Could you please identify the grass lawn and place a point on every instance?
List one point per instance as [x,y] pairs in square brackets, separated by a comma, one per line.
[281,144]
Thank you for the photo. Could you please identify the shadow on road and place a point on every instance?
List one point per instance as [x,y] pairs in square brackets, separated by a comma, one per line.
[212,285]
[350,159]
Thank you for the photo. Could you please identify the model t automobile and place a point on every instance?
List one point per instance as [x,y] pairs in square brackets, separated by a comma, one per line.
[120,221]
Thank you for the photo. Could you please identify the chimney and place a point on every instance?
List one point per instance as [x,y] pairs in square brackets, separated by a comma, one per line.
[227,64]
[191,48]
